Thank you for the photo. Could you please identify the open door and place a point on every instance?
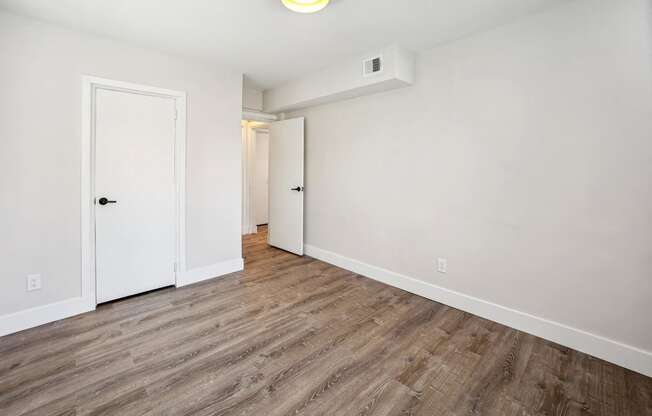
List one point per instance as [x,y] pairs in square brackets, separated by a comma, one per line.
[286,185]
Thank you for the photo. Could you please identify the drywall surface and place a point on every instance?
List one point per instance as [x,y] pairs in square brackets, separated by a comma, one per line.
[252,98]
[522,155]
[40,119]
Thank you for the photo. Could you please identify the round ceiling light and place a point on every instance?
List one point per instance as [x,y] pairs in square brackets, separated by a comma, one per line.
[305,6]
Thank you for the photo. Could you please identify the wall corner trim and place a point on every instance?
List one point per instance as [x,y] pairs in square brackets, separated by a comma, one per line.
[40,315]
[609,350]
[209,272]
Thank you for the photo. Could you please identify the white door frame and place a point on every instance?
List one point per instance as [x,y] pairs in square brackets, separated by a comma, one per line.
[249,131]
[89,87]
[248,166]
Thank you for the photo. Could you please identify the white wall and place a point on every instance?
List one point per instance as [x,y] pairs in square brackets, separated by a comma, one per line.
[40,112]
[522,155]
[261,176]
[252,98]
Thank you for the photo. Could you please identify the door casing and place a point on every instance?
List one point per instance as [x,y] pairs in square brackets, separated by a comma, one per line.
[90,85]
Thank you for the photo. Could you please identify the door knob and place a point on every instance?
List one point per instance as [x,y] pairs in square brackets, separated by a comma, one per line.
[298,189]
[104,201]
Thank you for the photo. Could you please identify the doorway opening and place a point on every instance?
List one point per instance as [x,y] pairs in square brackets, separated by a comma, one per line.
[133,188]
[255,173]
[273,181]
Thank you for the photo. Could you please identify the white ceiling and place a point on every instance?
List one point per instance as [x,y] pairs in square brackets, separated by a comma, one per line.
[270,44]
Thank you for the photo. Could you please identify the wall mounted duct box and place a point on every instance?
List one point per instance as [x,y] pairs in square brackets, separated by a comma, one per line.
[387,69]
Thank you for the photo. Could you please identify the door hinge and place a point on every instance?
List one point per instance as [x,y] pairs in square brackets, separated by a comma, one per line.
[176,113]
[174,266]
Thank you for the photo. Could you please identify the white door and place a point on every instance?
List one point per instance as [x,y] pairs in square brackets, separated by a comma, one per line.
[135,226]
[286,185]
[261,174]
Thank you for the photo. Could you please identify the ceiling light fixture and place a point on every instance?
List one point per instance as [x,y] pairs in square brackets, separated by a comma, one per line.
[305,6]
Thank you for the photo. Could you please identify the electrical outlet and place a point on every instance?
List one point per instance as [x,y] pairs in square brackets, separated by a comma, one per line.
[33,282]
[442,265]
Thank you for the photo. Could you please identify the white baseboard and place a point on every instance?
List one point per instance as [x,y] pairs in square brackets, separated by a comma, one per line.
[40,315]
[609,350]
[209,272]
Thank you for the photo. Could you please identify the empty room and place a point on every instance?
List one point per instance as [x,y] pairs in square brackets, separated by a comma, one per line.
[326,207]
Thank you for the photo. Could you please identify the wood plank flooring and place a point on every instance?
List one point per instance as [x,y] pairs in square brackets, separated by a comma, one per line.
[296,336]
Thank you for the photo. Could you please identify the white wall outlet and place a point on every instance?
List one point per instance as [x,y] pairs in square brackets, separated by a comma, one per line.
[33,282]
[442,265]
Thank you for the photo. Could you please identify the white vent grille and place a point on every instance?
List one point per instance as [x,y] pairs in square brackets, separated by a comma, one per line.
[372,66]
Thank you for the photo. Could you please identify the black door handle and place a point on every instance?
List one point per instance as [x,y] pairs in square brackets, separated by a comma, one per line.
[104,201]
[298,189]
